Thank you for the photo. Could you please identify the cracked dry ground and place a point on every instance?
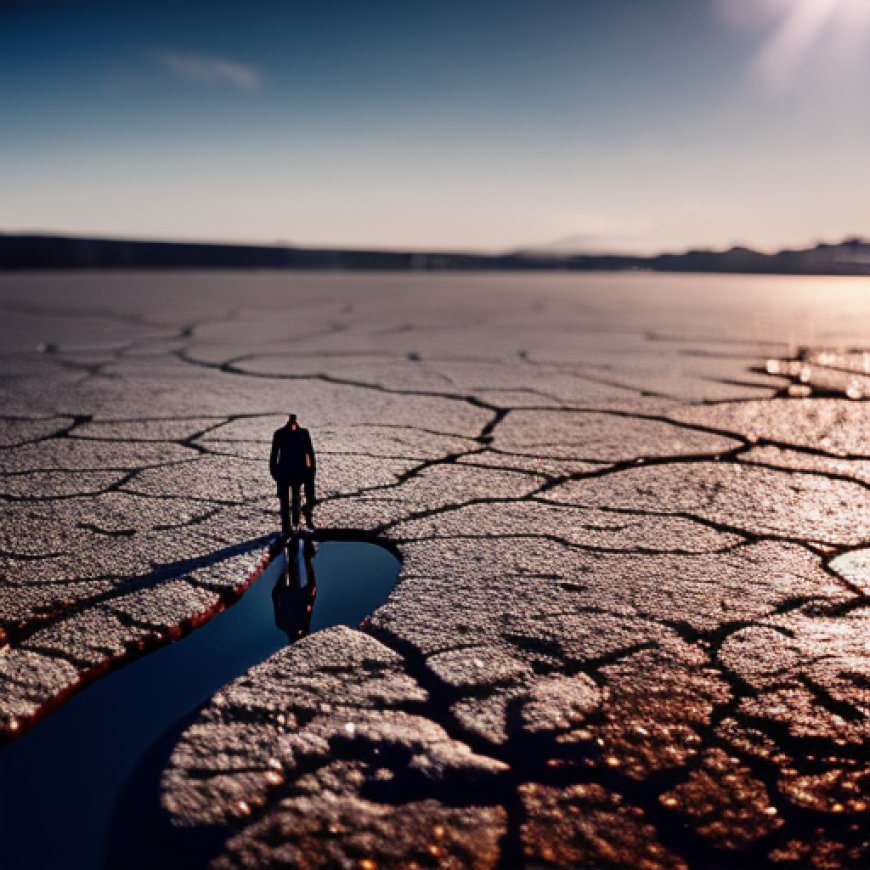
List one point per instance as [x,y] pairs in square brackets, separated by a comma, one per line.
[632,619]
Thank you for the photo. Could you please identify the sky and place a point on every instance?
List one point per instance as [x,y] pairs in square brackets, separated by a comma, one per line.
[621,125]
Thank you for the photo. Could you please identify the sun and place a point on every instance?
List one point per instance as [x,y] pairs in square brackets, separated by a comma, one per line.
[803,29]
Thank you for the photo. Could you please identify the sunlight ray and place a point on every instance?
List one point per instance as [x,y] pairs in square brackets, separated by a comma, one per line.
[803,27]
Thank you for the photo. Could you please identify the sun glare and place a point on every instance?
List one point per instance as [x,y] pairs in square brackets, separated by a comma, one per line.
[802,32]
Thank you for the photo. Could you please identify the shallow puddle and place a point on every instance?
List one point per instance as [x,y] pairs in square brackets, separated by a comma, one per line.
[80,790]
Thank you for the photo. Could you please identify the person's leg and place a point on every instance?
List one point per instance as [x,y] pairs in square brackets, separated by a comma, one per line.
[296,503]
[310,501]
[284,499]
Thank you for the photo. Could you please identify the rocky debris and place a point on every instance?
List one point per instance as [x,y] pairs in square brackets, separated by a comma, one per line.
[823,372]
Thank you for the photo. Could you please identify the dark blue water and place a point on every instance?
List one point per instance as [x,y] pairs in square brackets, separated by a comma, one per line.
[81,789]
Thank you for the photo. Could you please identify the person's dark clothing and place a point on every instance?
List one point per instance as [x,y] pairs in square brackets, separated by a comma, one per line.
[290,498]
[292,459]
[293,465]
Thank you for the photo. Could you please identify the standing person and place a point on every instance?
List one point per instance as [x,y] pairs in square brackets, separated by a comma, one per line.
[293,465]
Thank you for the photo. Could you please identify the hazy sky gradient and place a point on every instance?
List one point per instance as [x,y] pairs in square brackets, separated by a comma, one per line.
[626,124]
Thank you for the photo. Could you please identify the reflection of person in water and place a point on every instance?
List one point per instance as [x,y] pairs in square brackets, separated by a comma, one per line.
[293,595]
[293,466]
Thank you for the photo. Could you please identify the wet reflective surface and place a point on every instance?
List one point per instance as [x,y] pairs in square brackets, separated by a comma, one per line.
[88,775]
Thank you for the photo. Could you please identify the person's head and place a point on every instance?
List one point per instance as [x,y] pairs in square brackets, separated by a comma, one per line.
[291,421]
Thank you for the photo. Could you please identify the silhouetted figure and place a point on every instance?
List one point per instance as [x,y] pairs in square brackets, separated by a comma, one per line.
[293,466]
[293,595]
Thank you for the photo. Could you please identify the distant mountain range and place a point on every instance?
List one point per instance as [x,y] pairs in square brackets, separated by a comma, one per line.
[34,252]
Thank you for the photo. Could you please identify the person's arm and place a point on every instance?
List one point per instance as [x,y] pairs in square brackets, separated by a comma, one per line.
[310,458]
[274,456]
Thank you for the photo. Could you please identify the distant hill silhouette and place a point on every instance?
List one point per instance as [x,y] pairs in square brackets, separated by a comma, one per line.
[35,252]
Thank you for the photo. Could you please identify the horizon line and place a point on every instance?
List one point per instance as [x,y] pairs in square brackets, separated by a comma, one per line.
[531,251]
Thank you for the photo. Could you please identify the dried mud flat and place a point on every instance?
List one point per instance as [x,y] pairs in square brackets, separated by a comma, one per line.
[631,624]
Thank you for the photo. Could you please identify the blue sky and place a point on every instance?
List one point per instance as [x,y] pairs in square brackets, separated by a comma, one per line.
[627,124]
